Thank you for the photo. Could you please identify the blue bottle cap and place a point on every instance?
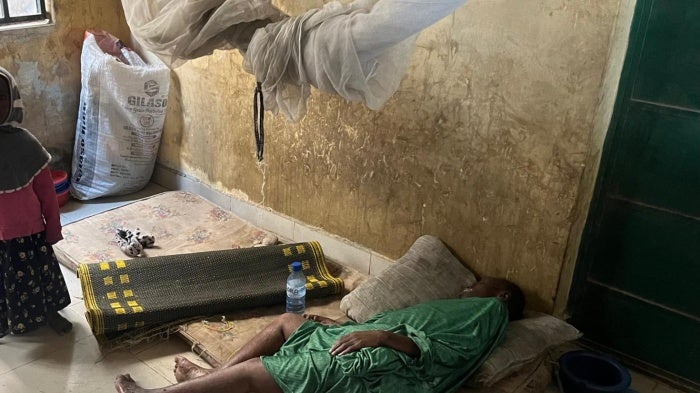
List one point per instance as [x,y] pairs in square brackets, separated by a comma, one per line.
[296,266]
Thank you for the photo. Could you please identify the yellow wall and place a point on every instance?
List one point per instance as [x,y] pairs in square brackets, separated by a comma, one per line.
[46,63]
[484,144]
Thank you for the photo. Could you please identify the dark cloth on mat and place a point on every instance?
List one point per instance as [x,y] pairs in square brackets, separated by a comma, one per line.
[31,284]
[454,336]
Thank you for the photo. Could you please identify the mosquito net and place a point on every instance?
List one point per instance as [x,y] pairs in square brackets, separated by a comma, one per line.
[359,51]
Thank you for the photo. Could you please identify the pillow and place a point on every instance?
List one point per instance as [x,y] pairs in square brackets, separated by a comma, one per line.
[525,341]
[428,271]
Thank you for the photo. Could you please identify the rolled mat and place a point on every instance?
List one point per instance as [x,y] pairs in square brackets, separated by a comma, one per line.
[123,295]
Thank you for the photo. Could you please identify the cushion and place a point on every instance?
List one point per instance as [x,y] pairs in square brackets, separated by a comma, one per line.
[526,340]
[428,271]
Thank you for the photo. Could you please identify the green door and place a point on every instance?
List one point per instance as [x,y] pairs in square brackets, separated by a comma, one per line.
[637,283]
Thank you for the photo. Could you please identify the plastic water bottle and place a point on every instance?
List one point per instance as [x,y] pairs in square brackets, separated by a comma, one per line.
[296,290]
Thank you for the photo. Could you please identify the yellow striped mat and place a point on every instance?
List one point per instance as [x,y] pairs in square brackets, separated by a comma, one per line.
[129,294]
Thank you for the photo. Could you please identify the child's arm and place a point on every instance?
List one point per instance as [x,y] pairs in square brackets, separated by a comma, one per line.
[44,189]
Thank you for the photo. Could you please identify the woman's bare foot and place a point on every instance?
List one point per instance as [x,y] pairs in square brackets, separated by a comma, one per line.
[124,384]
[186,370]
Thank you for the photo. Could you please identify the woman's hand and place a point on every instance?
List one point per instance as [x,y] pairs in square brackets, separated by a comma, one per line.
[320,319]
[357,340]
[375,338]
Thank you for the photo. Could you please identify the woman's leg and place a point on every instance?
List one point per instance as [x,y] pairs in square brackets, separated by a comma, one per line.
[270,340]
[249,376]
[267,342]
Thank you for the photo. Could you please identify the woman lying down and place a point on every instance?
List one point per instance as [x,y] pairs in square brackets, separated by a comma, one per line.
[431,347]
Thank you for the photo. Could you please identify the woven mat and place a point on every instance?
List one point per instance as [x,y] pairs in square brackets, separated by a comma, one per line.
[216,339]
[138,293]
[180,221]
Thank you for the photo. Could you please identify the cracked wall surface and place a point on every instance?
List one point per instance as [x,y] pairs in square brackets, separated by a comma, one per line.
[483,145]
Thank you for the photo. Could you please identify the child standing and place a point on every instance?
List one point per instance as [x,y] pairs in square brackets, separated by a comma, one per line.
[32,288]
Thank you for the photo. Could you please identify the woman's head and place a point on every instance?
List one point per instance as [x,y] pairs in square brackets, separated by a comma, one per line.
[10,103]
[508,292]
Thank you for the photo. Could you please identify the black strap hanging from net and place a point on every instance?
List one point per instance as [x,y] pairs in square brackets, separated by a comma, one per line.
[259,120]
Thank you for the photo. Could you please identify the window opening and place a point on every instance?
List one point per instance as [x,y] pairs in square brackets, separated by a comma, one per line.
[19,11]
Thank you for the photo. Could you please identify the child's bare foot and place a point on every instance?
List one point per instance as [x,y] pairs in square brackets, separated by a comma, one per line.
[59,324]
[186,370]
[124,384]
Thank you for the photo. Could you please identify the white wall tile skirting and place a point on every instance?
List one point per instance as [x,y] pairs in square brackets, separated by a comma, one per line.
[336,248]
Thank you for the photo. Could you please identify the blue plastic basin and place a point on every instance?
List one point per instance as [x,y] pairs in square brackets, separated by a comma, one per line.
[588,372]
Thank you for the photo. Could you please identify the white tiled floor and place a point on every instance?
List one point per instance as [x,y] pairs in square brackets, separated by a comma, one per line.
[43,362]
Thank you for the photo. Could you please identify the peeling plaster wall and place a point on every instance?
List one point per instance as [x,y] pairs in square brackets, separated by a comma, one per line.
[484,145]
[46,63]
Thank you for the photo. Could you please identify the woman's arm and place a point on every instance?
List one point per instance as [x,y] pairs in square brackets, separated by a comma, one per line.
[374,338]
[320,319]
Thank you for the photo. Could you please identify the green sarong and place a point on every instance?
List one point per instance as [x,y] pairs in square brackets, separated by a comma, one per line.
[454,336]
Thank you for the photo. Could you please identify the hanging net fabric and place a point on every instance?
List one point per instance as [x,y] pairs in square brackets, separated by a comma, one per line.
[359,51]
[179,30]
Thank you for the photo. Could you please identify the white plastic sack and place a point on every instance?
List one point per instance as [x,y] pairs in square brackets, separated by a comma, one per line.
[120,119]
[359,51]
